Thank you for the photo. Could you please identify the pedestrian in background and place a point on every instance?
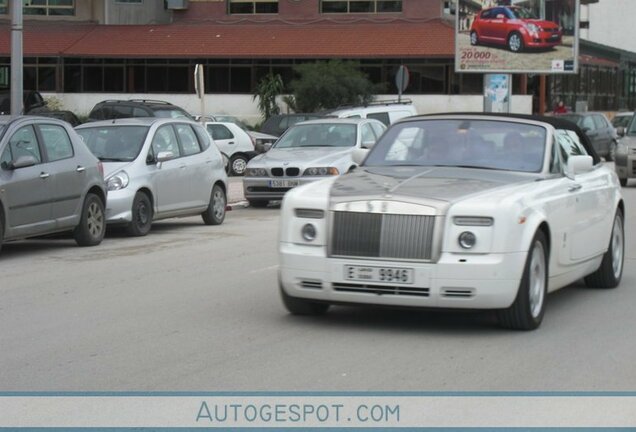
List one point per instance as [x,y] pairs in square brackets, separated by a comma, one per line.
[560,108]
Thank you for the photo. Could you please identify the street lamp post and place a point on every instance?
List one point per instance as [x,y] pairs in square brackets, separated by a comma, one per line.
[17,86]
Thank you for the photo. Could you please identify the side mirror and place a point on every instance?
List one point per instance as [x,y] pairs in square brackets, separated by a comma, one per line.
[579,165]
[620,131]
[367,144]
[164,156]
[359,154]
[23,162]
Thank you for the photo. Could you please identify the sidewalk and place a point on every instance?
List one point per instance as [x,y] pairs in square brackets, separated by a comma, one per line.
[235,197]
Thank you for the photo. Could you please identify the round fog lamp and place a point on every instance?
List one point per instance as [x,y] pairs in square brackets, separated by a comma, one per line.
[467,240]
[308,232]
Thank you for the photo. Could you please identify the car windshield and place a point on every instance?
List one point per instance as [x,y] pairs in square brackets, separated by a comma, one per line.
[521,13]
[621,121]
[319,135]
[468,143]
[172,113]
[114,143]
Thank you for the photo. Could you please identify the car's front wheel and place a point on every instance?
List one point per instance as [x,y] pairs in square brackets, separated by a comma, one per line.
[515,42]
[142,214]
[526,313]
[299,306]
[238,163]
[215,213]
[610,272]
[474,38]
[92,225]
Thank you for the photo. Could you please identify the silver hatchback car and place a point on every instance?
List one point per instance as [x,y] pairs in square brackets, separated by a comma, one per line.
[158,168]
[49,182]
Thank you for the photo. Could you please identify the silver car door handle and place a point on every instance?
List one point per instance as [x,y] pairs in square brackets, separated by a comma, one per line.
[231,142]
[574,188]
[44,175]
[80,169]
[182,167]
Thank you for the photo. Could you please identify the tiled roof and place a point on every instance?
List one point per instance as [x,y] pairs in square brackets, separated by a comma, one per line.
[399,39]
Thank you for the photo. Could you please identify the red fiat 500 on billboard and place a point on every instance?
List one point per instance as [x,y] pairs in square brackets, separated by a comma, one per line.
[515,27]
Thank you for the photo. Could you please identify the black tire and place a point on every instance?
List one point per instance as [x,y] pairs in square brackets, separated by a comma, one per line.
[92,225]
[215,213]
[623,181]
[298,306]
[238,163]
[142,214]
[474,38]
[526,312]
[258,203]
[610,272]
[515,42]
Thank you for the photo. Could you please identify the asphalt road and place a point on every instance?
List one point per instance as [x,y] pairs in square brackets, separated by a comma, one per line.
[192,307]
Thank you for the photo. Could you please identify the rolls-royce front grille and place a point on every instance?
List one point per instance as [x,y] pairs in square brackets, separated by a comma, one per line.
[376,235]
[381,289]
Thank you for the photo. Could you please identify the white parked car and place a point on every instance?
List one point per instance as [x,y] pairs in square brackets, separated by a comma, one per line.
[457,211]
[306,152]
[388,112]
[157,168]
[233,142]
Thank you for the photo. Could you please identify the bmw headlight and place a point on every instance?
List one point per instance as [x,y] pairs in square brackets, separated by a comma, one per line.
[256,172]
[118,181]
[321,171]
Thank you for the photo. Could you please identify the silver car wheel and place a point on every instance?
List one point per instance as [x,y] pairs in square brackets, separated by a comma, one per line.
[95,219]
[238,166]
[617,247]
[473,38]
[218,205]
[514,43]
[537,279]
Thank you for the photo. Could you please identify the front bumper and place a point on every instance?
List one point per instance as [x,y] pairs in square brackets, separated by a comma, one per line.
[261,188]
[119,205]
[542,40]
[488,281]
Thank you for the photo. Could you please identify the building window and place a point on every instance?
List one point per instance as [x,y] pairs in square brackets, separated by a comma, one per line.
[253,6]
[49,7]
[449,7]
[3,7]
[360,6]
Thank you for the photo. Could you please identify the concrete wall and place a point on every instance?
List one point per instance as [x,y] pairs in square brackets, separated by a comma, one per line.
[244,107]
[610,23]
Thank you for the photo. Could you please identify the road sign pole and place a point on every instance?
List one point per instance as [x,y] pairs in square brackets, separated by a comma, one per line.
[17,85]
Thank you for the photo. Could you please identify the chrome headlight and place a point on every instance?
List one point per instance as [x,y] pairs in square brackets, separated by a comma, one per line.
[118,181]
[308,232]
[533,28]
[321,171]
[467,240]
[256,172]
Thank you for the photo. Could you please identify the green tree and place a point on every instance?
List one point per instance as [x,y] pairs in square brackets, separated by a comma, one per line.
[330,84]
[266,92]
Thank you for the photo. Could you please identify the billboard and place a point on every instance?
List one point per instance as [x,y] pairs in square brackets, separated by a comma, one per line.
[523,36]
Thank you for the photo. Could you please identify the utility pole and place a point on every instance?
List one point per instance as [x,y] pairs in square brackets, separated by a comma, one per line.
[17,85]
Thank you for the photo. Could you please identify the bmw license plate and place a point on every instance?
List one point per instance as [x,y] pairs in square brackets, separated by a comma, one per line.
[283,183]
[393,275]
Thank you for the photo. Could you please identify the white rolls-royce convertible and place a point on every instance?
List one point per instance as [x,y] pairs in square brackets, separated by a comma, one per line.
[460,211]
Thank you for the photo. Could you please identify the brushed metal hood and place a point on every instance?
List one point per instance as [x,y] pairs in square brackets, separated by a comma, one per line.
[433,186]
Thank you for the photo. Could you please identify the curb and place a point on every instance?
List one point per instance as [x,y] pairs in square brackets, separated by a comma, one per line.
[237,205]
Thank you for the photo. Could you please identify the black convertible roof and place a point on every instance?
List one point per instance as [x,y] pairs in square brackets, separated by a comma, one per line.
[556,122]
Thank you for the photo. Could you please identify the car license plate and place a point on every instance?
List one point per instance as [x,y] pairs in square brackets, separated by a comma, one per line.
[393,275]
[283,183]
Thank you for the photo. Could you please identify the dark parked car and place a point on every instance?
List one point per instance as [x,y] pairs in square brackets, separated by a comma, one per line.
[598,129]
[277,124]
[49,182]
[31,101]
[515,27]
[116,109]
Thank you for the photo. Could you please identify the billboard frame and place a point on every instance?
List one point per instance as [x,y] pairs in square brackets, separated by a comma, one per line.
[574,71]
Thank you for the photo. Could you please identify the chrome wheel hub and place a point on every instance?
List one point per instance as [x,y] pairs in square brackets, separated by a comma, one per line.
[238,166]
[218,204]
[536,280]
[95,219]
[617,247]
[515,43]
